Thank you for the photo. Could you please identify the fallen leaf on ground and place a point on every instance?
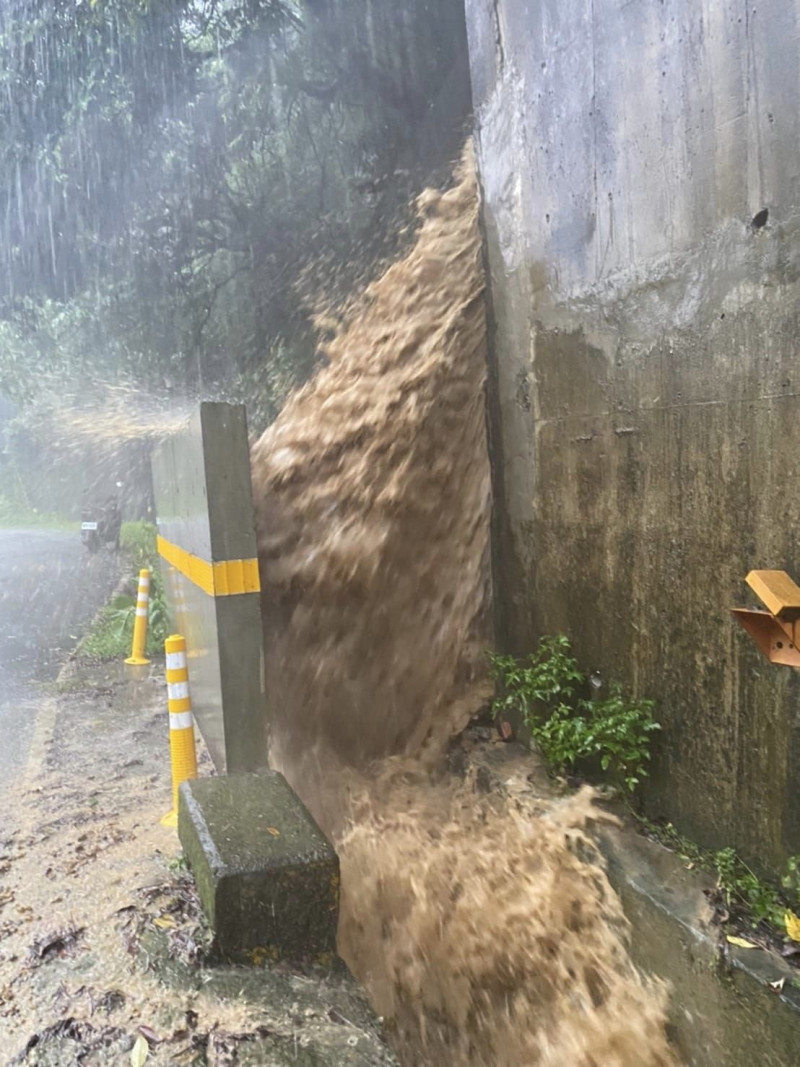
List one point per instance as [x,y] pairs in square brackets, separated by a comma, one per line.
[274,831]
[740,942]
[140,1052]
[792,925]
[165,922]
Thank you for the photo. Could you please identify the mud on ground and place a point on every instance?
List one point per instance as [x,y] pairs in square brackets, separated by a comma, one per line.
[101,940]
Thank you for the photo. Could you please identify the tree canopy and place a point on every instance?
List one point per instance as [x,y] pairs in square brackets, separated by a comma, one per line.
[173,172]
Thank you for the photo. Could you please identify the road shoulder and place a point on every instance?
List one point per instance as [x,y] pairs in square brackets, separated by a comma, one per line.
[101,940]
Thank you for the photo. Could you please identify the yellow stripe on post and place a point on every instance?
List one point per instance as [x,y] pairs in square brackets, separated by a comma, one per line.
[233,577]
[137,656]
[182,753]
[229,577]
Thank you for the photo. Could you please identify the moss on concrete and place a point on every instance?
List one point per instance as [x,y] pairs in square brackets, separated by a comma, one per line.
[266,875]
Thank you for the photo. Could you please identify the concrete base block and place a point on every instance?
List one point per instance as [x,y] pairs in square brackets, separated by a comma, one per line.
[267,877]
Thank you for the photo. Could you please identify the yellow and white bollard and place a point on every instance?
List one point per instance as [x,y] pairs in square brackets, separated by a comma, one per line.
[181,723]
[137,656]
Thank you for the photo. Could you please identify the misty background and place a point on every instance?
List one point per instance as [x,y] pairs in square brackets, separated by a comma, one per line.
[181,184]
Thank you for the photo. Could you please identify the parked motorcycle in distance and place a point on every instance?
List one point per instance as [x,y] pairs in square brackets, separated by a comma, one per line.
[101,525]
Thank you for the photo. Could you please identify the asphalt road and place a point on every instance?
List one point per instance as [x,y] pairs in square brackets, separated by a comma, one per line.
[50,588]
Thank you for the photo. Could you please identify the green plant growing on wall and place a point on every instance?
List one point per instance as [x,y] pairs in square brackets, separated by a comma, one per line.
[545,689]
[747,897]
[742,888]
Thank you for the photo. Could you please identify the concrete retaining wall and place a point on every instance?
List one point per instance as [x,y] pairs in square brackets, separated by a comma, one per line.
[646,374]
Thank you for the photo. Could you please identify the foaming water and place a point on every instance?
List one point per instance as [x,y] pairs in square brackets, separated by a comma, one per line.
[490,937]
[485,935]
[372,499]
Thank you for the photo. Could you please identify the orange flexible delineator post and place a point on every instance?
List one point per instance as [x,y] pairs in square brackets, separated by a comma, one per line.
[181,722]
[137,656]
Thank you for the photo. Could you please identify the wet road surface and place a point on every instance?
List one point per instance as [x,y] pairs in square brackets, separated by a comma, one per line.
[50,588]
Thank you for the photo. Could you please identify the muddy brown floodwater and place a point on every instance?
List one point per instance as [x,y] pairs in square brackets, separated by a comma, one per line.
[484,936]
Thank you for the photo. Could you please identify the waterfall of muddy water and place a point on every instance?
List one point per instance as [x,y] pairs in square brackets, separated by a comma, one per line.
[484,936]
[372,500]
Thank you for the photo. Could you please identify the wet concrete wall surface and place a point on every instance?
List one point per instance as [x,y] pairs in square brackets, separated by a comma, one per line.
[641,176]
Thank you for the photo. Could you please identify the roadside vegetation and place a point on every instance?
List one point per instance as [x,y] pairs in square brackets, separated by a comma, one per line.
[112,631]
[766,911]
[576,729]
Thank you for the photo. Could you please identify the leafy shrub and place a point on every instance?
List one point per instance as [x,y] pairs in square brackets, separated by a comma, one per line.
[744,889]
[569,729]
[746,896]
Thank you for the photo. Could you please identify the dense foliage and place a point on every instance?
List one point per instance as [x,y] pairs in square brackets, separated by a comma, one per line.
[173,174]
[546,690]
